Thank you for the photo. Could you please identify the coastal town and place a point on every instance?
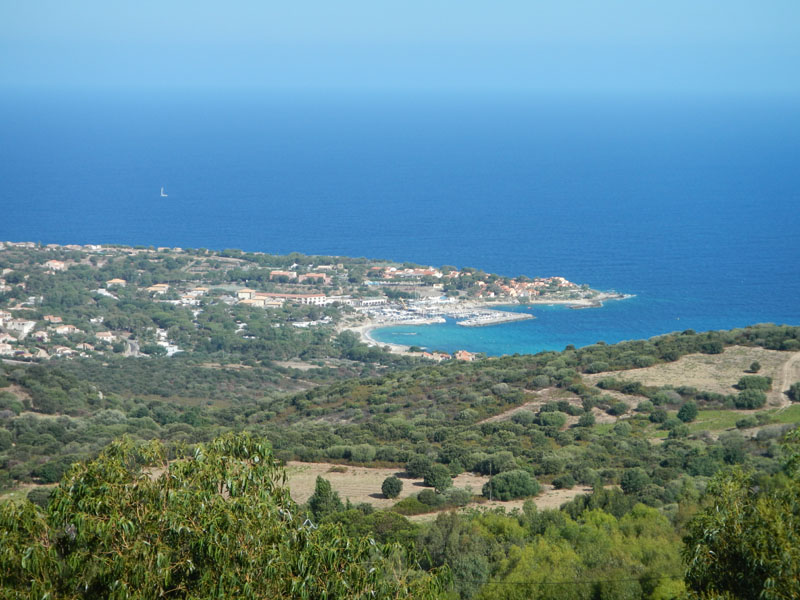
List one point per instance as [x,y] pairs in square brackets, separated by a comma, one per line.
[70,301]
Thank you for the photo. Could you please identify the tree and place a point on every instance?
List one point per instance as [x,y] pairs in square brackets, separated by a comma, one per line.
[755,366]
[438,477]
[391,487]
[688,412]
[746,543]
[794,392]
[418,466]
[634,480]
[213,522]
[324,500]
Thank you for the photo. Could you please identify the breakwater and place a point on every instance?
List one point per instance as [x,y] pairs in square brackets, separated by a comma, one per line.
[494,317]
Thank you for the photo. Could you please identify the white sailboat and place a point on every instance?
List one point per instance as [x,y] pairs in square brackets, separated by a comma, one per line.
[163,195]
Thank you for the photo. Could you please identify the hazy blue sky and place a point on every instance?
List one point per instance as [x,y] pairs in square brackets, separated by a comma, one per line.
[583,46]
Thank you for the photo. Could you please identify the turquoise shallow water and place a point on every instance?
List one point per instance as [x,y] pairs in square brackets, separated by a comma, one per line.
[690,204]
[558,326]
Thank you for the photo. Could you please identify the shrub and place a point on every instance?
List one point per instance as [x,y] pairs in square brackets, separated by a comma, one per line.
[679,431]
[362,453]
[794,392]
[438,477]
[458,496]
[392,487]
[431,498]
[564,482]
[754,382]
[712,347]
[411,506]
[511,485]
[324,500]
[553,419]
[749,399]
[755,366]
[40,495]
[618,408]
[746,422]
[586,420]
[5,440]
[523,417]
[418,466]
[659,415]
[634,480]
[688,412]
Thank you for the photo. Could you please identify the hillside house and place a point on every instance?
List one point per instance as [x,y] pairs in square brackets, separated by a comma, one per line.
[20,326]
[55,265]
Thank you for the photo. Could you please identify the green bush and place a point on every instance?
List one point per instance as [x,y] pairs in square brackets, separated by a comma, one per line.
[754,382]
[392,487]
[747,422]
[659,415]
[617,409]
[511,485]
[438,477]
[418,466]
[553,419]
[410,505]
[794,392]
[688,412]
[564,482]
[749,399]
[458,496]
[634,480]
[5,440]
[431,498]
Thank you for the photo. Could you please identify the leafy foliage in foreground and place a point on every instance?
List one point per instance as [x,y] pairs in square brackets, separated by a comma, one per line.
[216,522]
[746,543]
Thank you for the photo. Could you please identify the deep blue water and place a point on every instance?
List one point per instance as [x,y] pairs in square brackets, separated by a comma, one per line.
[690,205]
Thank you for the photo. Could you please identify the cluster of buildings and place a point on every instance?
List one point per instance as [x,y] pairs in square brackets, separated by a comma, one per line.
[526,288]
[389,272]
[251,297]
[13,331]
[462,355]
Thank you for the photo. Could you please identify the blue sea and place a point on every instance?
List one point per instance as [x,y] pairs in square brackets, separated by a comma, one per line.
[693,205]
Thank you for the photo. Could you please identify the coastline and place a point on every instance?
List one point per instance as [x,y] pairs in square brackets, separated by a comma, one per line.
[365,328]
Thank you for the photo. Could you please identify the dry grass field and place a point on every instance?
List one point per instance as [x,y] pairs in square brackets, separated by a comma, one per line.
[718,372]
[363,484]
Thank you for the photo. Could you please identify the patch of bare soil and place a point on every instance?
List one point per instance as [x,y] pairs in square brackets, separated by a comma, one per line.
[789,373]
[295,364]
[542,397]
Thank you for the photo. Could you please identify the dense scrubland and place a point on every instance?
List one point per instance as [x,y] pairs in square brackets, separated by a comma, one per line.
[677,472]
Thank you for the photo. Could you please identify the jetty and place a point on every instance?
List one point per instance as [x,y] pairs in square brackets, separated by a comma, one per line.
[494,317]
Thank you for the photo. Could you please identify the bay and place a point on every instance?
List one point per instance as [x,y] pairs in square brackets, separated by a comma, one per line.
[690,204]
